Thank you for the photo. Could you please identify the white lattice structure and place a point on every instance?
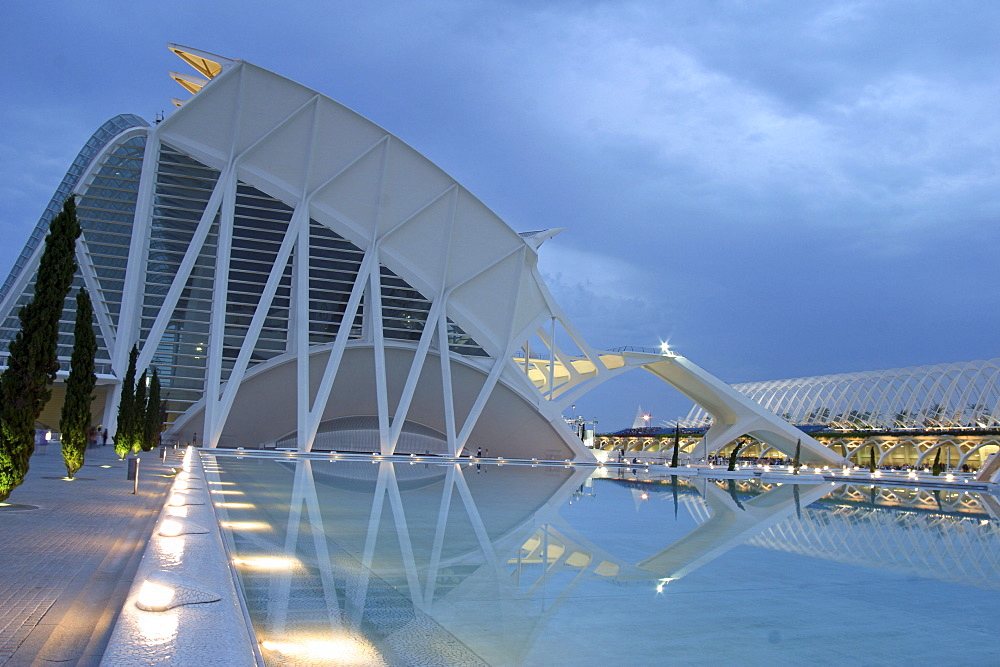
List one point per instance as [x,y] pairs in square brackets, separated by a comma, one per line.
[963,394]
[289,267]
[911,531]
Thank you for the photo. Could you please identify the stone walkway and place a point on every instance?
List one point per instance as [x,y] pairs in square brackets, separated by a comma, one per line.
[67,559]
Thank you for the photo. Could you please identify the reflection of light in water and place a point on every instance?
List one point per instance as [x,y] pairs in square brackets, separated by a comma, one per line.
[226,492]
[268,563]
[172,549]
[178,511]
[157,628]
[324,649]
[236,506]
[246,525]
[223,483]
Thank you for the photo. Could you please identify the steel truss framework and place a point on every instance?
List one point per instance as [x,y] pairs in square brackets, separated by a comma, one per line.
[964,394]
[285,263]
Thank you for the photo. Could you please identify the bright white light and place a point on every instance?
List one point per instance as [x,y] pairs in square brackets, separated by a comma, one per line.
[665,347]
[154,597]
[171,528]
[172,551]
[177,500]
[157,629]
[663,582]
[267,563]
[246,525]
[347,650]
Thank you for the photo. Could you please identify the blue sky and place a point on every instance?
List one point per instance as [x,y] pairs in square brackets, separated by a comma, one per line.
[780,188]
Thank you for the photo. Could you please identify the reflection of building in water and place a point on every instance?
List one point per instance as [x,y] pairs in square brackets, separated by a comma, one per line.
[470,564]
[943,535]
[415,573]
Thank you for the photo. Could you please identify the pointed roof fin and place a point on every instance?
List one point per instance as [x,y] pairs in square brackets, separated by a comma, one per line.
[536,238]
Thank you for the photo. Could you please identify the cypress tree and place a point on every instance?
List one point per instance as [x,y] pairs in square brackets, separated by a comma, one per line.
[871,462]
[126,408]
[139,414]
[152,420]
[32,363]
[798,452]
[936,468]
[75,420]
[732,456]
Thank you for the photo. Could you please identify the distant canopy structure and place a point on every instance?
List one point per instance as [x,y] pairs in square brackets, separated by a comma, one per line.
[956,395]
[287,265]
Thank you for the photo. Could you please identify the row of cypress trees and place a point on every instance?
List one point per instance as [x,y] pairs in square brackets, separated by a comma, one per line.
[32,362]
[140,411]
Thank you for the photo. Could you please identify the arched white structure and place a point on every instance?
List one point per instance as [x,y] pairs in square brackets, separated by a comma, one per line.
[286,263]
[963,394]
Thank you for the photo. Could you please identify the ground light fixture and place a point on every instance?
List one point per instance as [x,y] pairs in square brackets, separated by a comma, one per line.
[246,525]
[343,649]
[180,500]
[173,527]
[162,590]
[267,562]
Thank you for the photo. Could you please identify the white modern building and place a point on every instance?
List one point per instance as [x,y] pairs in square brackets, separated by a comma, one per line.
[300,277]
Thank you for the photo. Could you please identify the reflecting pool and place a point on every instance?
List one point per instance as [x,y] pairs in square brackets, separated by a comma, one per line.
[427,563]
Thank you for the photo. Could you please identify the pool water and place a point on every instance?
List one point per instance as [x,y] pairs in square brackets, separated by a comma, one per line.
[427,563]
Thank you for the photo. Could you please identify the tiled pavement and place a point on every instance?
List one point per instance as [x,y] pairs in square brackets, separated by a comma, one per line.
[66,567]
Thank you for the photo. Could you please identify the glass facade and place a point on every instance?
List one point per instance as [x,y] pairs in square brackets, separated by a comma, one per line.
[105,211]
[181,192]
[260,222]
[183,188]
[97,141]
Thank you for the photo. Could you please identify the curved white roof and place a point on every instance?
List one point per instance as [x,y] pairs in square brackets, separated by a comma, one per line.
[371,188]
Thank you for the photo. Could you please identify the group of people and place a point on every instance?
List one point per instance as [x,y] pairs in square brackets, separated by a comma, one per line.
[97,433]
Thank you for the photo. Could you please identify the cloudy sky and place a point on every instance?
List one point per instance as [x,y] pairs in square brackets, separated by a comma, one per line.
[779,188]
